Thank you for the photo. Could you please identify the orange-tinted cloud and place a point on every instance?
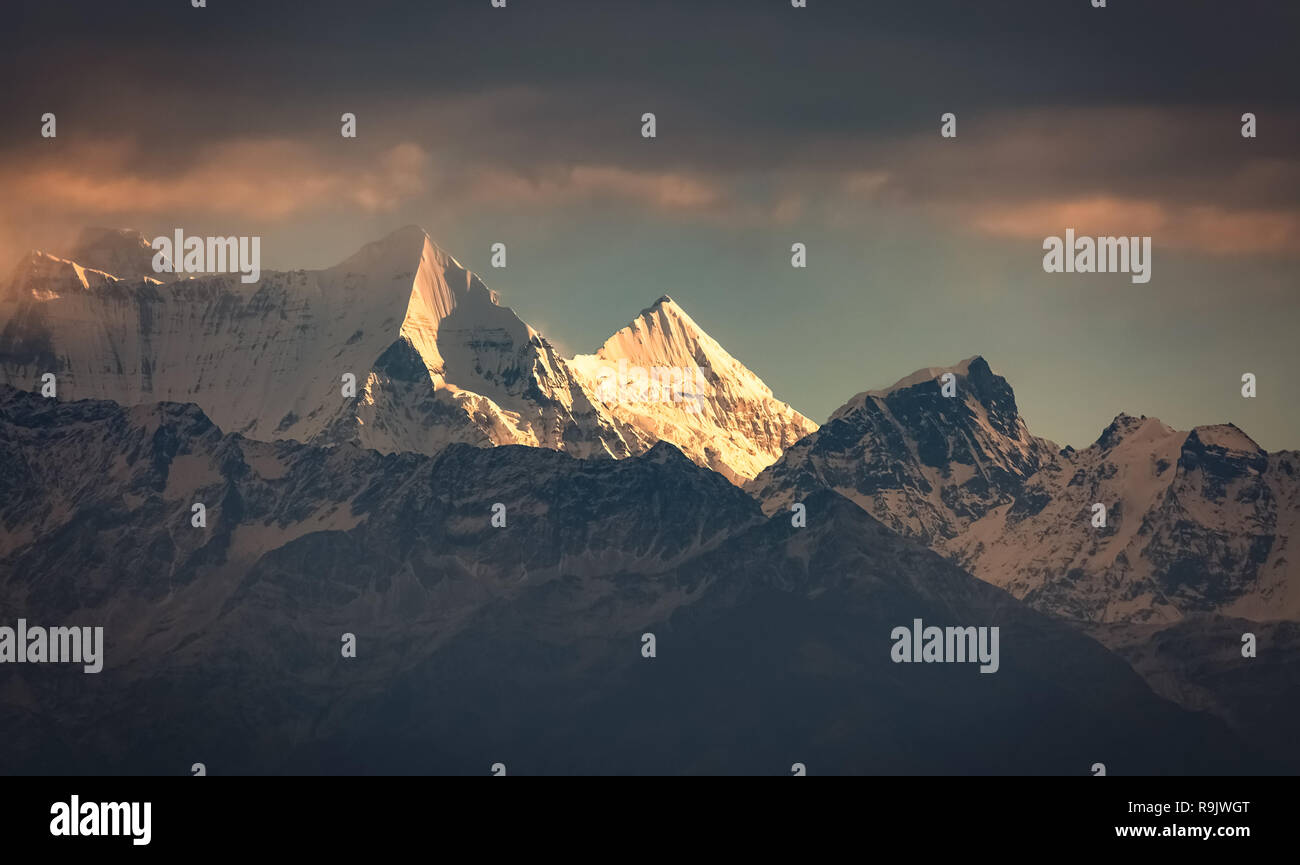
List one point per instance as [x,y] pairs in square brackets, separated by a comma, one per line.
[269,179]
[1204,228]
[1185,177]
[277,179]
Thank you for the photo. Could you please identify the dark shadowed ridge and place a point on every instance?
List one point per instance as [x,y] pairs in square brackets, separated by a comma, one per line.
[519,644]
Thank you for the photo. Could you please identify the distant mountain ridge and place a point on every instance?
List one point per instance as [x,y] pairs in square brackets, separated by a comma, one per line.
[1196,522]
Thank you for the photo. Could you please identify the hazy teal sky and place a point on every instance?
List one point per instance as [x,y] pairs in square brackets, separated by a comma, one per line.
[891,295]
[774,126]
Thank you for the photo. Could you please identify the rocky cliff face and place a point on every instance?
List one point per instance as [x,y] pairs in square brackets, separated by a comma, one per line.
[1194,522]
[924,464]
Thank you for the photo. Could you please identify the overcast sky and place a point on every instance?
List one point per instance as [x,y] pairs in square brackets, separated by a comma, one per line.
[775,125]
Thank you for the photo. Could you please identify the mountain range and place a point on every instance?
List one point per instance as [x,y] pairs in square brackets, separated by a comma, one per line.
[435,358]
[520,644]
[627,511]
[1194,553]
[1195,522]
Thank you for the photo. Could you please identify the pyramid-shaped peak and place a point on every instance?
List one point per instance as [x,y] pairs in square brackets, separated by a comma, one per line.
[664,333]
[719,413]
[401,249]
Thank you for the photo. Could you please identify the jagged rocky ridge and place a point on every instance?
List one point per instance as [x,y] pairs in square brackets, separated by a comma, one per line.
[925,465]
[1196,522]
[519,644]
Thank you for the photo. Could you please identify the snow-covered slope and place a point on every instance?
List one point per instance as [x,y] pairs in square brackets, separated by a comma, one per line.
[664,375]
[436,358]
[1195,522]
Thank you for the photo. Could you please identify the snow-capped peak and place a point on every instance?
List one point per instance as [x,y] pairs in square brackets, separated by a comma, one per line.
[434,356]
[716,409]
[401,248]
[664,335]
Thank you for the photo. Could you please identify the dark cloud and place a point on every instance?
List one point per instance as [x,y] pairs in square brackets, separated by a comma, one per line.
[764,110]
[840,66]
